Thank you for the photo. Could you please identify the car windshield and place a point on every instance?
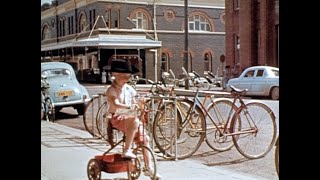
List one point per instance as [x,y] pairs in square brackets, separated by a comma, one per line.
[56,72]
[275,72]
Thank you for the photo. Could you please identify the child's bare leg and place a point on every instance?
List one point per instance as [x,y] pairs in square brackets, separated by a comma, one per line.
[146,153]
[132,127]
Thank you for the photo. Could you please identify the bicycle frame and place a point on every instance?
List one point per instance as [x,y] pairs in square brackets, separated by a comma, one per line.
[222,130]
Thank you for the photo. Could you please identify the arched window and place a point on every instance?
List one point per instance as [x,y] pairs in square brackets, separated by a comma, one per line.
[62,27]
[164,62]
[107,17]
[45,32]
[82,22]
[92,17]
[207,62]
[141,20]
[116,17]
[199,23]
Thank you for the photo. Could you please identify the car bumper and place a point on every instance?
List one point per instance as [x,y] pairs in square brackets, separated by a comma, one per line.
[70,103]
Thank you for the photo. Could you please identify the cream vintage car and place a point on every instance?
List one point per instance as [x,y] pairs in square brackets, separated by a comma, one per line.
[259,80]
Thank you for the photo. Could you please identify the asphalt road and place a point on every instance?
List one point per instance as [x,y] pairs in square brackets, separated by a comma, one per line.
[232,159]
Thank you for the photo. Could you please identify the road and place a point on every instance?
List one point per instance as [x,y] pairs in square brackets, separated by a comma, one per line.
[231,160]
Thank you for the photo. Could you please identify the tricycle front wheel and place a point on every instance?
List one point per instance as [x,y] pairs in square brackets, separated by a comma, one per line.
[93,170]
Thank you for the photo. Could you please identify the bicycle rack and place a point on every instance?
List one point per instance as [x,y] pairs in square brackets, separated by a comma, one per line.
[172,119]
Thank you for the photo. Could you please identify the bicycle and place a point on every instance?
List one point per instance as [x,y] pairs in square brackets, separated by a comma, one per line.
[244,124]
[276,156]
[90,114]
[134,167]
[47,106]
[165,126]
[220,109]
[187,142]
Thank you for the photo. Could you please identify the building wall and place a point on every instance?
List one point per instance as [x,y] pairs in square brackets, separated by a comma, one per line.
[170,32]
[256,23]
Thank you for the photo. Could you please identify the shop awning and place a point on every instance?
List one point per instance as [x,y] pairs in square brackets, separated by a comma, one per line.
[107,42]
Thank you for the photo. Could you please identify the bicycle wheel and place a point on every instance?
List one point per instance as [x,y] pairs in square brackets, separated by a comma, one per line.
[276,156]
[255,130]
[102,121]
[189,132]
[221,110]
[42,107]
[89,116]
[49,109]
[148,168]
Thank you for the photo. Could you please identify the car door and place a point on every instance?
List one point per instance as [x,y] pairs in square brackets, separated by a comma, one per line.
[258,82]
[245,82]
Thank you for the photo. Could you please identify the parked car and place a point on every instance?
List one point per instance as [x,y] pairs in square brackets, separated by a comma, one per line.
[259,80]
[64,88]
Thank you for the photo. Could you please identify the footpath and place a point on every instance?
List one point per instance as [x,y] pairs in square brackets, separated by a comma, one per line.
[66,151]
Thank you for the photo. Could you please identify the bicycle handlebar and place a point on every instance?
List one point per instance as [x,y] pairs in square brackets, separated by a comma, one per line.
[172,74]
[196,74]
[211,74]
[185,72]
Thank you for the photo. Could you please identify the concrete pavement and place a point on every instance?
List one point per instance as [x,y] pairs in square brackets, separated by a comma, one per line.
[66,151]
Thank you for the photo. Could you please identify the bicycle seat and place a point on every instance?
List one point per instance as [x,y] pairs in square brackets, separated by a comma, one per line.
[238,90]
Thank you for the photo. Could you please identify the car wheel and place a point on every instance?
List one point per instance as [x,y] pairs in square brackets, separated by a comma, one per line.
[274,93]
[42,111]
[58,109]
[80,109]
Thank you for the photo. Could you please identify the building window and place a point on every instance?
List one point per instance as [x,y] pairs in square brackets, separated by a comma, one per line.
[107,18]
[116,17]
[82,22]
[140,20]
[52,22]
[61,27]
[45,32]
[92,17]
[164,62]
[236,4]
[70,25]
[199,23]
[207,62]
[237,49]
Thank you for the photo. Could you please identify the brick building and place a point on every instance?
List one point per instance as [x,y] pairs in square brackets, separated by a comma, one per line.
[89,33]
[252,32]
